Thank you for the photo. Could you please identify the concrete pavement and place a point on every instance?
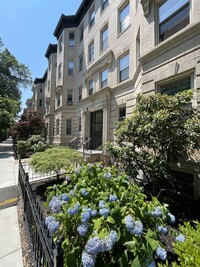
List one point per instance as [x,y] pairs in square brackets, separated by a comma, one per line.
[10,245]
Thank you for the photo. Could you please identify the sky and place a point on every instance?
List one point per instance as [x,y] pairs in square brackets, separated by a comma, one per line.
[26,29]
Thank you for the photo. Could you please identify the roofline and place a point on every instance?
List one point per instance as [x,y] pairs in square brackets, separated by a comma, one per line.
[52,48]
[72,20]
[41,80]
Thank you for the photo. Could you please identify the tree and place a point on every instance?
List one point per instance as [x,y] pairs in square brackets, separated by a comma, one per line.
[13,75]
[55,159]
[30,123]
[162,129]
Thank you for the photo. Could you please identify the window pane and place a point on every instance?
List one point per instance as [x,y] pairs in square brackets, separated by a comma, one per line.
[90,87]
[124,74]
[124,18]
[91,52]
[174,87]
[124,62]
[122,113]
[105,4]
[104,78]
[173,17]
[71,39]
[92,18]
[69,127]
[104,39]
[70,67]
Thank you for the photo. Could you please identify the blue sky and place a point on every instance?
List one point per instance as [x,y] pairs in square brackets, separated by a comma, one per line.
[26,29]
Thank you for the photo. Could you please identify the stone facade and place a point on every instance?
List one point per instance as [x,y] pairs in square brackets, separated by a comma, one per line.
[108,53]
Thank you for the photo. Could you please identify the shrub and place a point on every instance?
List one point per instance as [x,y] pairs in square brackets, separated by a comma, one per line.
[105,219]
[22,147]
[187,246]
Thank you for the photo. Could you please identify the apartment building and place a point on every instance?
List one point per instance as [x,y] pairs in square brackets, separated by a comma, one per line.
[108,53]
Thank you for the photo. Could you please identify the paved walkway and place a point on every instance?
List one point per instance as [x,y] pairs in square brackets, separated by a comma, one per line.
[10,245]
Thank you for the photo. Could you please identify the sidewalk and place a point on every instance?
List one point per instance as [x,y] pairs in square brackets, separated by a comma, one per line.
[10,252]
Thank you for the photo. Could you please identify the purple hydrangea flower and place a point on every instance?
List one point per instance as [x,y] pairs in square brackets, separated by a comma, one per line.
[104,212]
[113,198]
[74,210]
[53,227]
[65,197]
[172,218]
[180,238]
[85,216]
[55,204]
[82,229]
[84,192]
[87,260]
[161,253]
[157,212]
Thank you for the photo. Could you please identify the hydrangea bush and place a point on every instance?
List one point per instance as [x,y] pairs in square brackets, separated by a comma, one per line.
[106,220]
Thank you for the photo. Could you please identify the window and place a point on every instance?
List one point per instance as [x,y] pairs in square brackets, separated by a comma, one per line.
[59,70]
[91,85]
[104,38]
[60,42]
[40,88]
[105,3]
[57,126]
[81,62]
[122,113]
[69,97]
[173,16]
[80,93]
[176,86]
[71,67]
[81,33]
[58,99]
[124,17]
[92,17]
[71,39]
[68,127]
[40,102]
[79,124]
[104,78]
[91,51]
[124,68]
[49,85]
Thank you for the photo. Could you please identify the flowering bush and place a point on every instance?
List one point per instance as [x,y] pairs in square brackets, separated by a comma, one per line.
[105,219]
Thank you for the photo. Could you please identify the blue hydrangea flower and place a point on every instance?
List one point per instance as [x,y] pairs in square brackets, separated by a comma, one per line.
[74,210]
[72,193]
[157,212]
[82,229]
[107,176]
[90,165]
[162,230]
[161,253]
[87,209]
[53,227]
[84,192]
[104,212]
[113,236]
[129,222]
[68,178]
[172,218]
[49,219]
[138,228]
[94,246]
[77,170]
[85,216]
[113,198]
[65,197]
[180,238]
[102,204]
[87,260]
[94,213]
[152,264]
[55,204]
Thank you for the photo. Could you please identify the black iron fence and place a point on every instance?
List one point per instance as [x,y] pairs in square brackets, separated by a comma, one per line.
[45,252]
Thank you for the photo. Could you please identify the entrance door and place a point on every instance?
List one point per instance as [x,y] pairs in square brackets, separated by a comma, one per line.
[96,124]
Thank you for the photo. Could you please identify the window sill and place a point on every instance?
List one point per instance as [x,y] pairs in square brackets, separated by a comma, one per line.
[119,34]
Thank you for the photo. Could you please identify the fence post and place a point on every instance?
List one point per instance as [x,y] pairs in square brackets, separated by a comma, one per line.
[58,254]
[25,196]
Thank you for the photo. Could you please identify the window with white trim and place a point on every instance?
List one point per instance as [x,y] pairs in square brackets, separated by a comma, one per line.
[71,39]
[71,67]
[176,86]
[121,113]
[173,16]
[91,52]
[104,38]
[69,97]
[81,33]
[57,126]
[124,68]
[68,127]
[124,17]
[104,4]
[60,43]
[91,87]
[91,17]
[58,97]
[81,62]
[104,78]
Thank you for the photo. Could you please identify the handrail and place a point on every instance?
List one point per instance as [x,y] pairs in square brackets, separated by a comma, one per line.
[86,141]
[73,139]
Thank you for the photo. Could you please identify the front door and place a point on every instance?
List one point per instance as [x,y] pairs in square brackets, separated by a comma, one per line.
[96,130]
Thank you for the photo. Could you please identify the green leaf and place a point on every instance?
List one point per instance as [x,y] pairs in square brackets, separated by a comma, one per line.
[136,262]
[97,224]
[123,260]
[130,245]
[110,220]
[152,242]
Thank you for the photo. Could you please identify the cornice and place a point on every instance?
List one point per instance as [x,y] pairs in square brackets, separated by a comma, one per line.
[104,91]
[52,48]
[173,41]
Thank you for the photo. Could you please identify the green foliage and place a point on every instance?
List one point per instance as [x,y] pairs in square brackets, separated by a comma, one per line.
[188,251]
[54,159]
[22,148]
[91,188]
[162,129]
